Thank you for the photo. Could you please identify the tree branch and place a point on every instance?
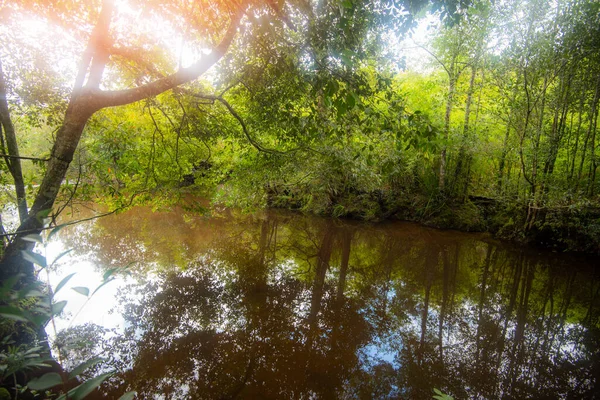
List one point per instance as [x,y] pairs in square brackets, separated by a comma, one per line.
[25,232]
[183,75]
[232,111]
[24,158]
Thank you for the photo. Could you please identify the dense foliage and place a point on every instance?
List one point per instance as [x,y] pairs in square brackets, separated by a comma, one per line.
[312,107]
[317,106]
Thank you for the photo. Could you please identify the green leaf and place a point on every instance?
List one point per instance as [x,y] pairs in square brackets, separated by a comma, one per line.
[88,386]
[341,108]
[39,320]
[82,290]
[102,284]
[439,395]
[350,101]
[78,370]
[35,238]
[9,284]
[58,307]
[13,313]
[61,255]
[108,273]
[29,291]
[63,282]
[34,258]
[331,88]
[34,350]
[41,215]
[128,396]
[54,231]
[347,55]
[45,381]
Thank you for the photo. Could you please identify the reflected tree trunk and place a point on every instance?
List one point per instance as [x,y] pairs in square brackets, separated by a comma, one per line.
[482,291]
[518,348]
[508,315]
[346,244]
[431,261]
[445,290]
[322,264]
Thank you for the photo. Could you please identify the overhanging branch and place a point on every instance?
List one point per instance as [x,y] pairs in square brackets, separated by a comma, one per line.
[25,232]
[232,111]
[183,75]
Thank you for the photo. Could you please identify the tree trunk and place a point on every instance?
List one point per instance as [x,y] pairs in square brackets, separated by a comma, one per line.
[451,88]
[67,139]
[593,126]
[589,132]
[14,163]
[462,157]
[577,134]
[502,164]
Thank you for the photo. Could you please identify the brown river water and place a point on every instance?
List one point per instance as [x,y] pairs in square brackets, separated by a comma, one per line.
[277,305]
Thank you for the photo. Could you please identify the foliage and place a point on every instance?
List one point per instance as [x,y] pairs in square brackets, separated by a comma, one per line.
[439,395]
[20,359]
[306,110]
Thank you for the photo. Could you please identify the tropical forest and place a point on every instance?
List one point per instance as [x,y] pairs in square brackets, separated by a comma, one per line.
[299,199]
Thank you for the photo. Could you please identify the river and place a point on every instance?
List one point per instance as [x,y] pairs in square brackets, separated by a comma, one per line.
[285,306]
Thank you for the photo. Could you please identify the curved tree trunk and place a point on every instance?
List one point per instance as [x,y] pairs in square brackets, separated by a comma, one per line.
[66,142]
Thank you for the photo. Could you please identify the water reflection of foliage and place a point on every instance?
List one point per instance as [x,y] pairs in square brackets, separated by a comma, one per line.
[286,307]
[237,334]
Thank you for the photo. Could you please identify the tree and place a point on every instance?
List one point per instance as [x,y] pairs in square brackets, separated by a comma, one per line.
[110,48]
[10,149]
[121,63]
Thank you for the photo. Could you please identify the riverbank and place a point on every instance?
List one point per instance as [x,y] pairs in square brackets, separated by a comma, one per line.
[563,228]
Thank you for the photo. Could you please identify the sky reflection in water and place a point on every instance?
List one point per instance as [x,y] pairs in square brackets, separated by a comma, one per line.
[279,305]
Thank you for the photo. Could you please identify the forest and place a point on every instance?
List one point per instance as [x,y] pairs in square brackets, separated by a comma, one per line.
[472,115]
[311,109]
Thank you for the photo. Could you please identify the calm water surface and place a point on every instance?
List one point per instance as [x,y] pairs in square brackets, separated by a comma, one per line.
[283,306]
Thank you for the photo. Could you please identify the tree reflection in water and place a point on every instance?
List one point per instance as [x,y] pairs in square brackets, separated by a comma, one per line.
[286,306]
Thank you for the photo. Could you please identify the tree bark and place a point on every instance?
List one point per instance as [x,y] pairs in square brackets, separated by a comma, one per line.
[451,88]
[462,157]
[14,163]
[589,132]
[577,135]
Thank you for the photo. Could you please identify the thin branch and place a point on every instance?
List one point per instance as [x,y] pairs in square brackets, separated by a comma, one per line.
[24,232]
[24,157]
[434,56]
[72,194]
[133,54]
[252,141]
[157,129]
